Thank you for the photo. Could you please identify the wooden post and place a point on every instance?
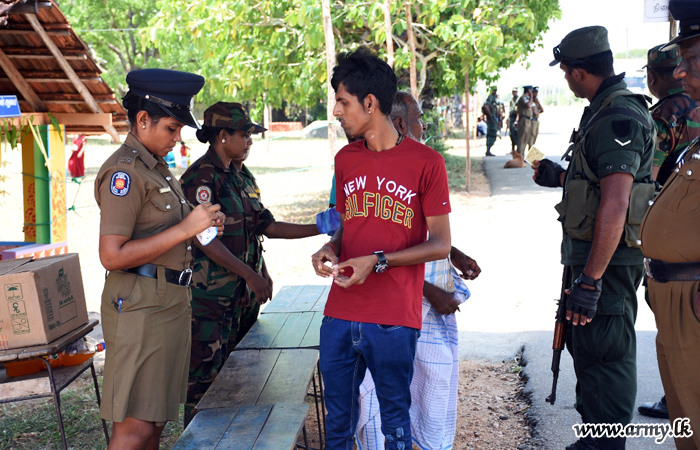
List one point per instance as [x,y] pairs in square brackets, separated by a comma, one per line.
[412,47]
[330,63]
[466,129]
[72,76]
[673,30]
[389,34]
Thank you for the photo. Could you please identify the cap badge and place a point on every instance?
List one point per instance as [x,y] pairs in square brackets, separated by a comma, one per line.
[120,184]
[203,194]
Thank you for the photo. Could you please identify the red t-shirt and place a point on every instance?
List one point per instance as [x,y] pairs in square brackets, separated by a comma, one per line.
[386,197]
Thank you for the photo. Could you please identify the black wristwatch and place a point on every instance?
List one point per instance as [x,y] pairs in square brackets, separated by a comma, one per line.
[382,265]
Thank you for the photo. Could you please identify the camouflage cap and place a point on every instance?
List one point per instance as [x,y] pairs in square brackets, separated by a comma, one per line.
[663,58]
[580,43]
[230,115]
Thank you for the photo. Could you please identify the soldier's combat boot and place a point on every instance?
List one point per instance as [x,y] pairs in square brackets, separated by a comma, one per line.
[585,443]
[488,153]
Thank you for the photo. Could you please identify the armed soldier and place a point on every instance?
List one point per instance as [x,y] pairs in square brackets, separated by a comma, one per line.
[512,120]
[490,109]
[677,118]
[606,190]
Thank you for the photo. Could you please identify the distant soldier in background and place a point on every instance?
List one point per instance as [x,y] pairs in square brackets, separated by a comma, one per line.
[677,118]
[512,120]
[525,104]
[490,109]
[537,109]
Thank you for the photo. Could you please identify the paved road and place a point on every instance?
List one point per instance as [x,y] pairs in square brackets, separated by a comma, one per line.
[515,238]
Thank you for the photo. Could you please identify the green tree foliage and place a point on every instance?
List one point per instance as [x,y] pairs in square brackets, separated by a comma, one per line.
[273,50]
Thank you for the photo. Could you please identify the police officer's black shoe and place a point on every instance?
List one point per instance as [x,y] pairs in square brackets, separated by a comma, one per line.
[585,443]
[658,409]
[488,153]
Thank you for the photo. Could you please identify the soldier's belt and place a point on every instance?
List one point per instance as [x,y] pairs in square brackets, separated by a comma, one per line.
[149,270]
[664,272]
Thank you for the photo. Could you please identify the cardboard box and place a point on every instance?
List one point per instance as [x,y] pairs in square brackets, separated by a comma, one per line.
[42,299]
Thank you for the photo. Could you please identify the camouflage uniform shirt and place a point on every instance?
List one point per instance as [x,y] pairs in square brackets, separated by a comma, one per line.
[677,118]
[207,180]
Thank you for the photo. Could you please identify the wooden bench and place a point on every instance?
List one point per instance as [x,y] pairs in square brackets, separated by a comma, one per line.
[307,298]
[261,427]
[283,331]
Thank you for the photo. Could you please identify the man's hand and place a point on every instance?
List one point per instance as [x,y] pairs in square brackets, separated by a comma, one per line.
[260,287]
[441,301]
[469,268]
[321,257]
[361,268]
[548,173]
[582,303]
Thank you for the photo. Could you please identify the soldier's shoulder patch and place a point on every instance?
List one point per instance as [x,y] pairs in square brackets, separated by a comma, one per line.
[203,194]
[621,128]
[120,183]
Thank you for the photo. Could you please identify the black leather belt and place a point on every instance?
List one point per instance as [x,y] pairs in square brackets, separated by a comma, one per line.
[149,270]
[529,118]
[664,272]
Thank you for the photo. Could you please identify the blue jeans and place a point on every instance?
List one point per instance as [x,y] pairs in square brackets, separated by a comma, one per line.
[347,350]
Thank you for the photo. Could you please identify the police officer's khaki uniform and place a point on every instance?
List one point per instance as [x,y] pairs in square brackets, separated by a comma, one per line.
[148,342]
[670,233]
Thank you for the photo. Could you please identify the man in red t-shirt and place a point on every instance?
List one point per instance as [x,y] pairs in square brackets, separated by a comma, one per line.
[391,192]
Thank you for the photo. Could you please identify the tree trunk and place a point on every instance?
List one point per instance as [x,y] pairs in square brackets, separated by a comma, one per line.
[330,63]
[412,47]
[466,129]
[389,34]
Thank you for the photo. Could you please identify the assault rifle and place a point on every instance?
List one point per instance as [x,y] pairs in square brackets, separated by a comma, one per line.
[559,340]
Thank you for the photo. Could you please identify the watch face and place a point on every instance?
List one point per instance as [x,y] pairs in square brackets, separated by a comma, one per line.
[379,267]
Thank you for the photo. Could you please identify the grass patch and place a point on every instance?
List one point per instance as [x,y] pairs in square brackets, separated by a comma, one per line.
[33,424]
[457,170]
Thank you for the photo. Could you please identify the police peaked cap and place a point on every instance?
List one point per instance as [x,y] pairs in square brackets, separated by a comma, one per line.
[688,13]
[173,91]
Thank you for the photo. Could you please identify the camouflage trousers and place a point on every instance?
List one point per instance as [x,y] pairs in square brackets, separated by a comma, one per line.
[217,326]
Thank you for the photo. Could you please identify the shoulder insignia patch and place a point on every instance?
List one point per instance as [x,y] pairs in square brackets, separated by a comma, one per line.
[120,184]
[203,194]
[622,144]
[621,128]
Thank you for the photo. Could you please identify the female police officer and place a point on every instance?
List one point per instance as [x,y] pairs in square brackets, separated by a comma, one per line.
[223,309]
[146,233]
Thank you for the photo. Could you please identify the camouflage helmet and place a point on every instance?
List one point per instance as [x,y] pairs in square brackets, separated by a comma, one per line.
[657,58]
[230,116]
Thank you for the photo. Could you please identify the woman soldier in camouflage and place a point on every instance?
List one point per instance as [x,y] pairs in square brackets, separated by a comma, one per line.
[225,304]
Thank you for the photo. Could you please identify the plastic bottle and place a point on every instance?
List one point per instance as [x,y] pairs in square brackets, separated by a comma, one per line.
[78,352]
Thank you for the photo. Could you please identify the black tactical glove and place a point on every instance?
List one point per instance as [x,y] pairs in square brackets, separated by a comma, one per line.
[583,301]
[548,173]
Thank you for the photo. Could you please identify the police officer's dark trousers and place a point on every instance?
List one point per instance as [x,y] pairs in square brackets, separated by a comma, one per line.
[605,350]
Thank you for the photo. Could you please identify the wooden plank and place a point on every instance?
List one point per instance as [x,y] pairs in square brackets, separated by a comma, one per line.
[312,339]
[293,330]
[58,80]
[6,32]
[52,347]
[21,83]
[77,83]
[283,427]
[308,298]
[263,333]
[322,299]
[38,384]
[246,427]
[84,119]
[206,429]
[289,381]
[241,380]
[284,298]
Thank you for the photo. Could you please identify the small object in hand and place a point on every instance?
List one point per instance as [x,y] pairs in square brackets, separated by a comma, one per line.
[208,235]
[120,302]
[534,155]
